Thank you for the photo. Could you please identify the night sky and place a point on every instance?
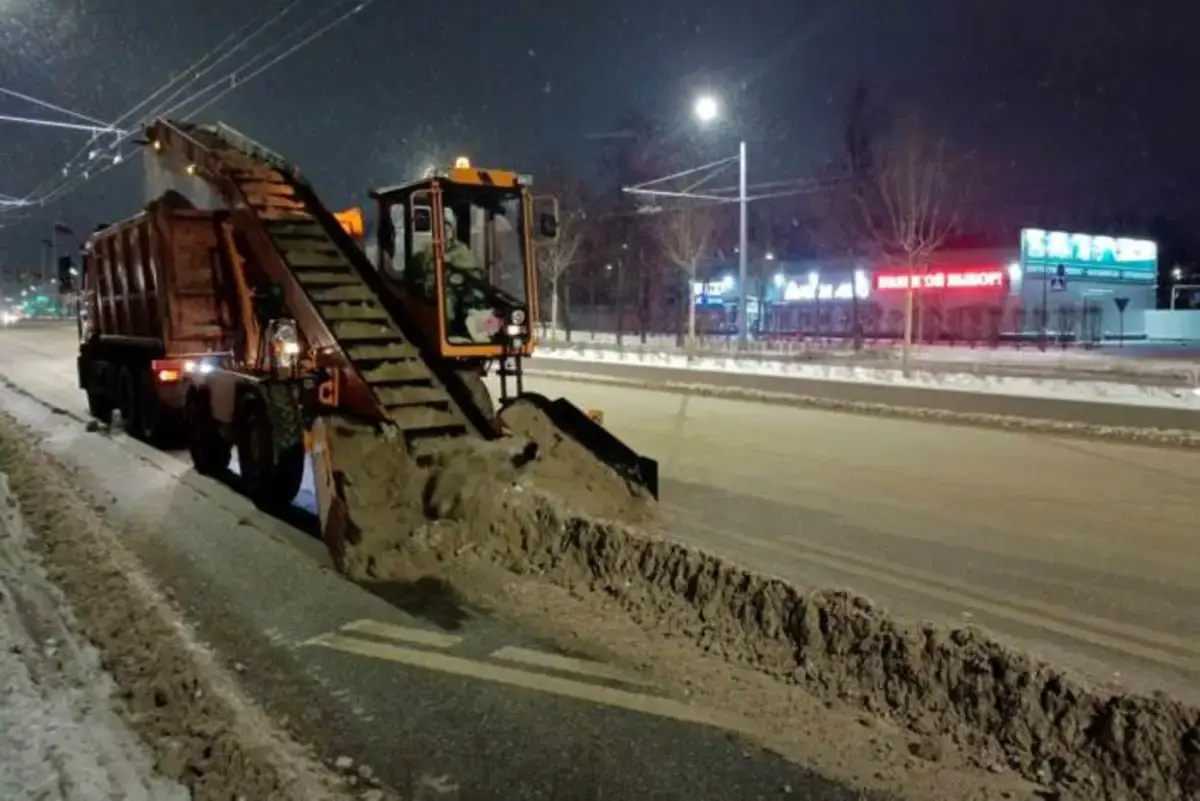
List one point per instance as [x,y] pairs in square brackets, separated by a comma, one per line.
[1069,108]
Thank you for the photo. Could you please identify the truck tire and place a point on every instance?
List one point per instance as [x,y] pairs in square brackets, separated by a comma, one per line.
[155,424]
[100,407]
[210,451]
[272,464]
[128,402]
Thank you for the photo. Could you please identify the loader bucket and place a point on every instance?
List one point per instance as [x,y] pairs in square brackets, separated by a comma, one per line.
[571,421]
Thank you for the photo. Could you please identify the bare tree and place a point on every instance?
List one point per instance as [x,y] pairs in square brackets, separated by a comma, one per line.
[836,223]
[556,256]
[685,234]
[913,204]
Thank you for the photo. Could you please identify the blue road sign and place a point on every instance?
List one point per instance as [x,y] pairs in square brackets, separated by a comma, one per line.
[1058,281]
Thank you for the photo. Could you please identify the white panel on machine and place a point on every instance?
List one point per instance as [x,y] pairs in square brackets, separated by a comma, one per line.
[158,178]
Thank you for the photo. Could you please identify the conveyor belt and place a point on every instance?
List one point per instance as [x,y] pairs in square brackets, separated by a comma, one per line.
[403,384]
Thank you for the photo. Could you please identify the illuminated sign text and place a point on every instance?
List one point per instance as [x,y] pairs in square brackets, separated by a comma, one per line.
[816,290]
[1039,245]
[893,280]
[712,289]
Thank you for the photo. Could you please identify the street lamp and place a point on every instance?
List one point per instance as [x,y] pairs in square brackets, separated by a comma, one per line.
[707,109]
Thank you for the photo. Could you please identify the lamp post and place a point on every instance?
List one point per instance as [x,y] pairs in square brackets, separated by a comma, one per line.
[707,110]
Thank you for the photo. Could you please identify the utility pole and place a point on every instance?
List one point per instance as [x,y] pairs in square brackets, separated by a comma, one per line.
[743,237]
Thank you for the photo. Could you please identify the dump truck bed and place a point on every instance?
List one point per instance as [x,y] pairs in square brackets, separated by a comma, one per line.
[157,279]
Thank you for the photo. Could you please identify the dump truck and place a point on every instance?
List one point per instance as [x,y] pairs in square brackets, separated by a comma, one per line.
[237,311]
[153,308]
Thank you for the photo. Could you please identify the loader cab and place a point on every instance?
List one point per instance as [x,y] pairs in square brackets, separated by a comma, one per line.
[458,248]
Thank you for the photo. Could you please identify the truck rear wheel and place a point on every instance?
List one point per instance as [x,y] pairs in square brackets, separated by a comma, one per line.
[210,451]
[128,402]
[272,470]
[156,424]
[100,407]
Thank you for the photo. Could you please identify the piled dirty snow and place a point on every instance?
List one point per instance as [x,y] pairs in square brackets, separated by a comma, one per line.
[202,731]
[394,497]
[997,705]
[992,701]
[567,471]
[61,736]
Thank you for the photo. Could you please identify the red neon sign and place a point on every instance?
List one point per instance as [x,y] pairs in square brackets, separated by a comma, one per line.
[955,278]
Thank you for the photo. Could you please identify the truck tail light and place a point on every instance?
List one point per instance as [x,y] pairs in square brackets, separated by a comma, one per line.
[166,371]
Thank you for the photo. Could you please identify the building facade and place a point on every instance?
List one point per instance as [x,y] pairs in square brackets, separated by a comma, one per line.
[1066,285]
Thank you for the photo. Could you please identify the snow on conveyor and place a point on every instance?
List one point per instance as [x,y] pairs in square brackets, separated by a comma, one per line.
[61,738]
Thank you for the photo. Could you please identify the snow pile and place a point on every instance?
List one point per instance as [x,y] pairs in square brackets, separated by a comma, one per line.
[192,716]
[393,496]
[61,737]
[997,705]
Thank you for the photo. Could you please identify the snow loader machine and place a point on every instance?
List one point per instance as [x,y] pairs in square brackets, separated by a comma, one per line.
[316,331]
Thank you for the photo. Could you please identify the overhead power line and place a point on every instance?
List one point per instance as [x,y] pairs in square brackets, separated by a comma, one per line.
[234,79]
[52,106]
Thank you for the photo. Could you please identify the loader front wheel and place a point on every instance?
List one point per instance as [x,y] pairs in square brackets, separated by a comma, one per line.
[271,470]
[481,396]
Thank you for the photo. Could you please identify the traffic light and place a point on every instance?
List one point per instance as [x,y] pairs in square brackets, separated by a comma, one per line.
[66,278]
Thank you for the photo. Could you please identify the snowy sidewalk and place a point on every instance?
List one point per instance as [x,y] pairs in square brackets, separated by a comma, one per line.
[1081,388]
[61,737]
[983,359]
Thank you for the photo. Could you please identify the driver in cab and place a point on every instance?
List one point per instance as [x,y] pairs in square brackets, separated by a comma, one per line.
[459,256]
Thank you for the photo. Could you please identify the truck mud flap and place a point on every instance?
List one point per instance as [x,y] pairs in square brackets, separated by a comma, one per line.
[573,422]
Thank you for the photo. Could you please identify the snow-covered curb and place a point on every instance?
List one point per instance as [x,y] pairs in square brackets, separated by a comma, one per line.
[1087,390]
[980,357]
[1166,437]
[61,734]
[204,732]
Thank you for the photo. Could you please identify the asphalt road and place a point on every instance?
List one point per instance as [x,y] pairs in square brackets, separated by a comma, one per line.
[1087,553]
[440,699]
[961,402]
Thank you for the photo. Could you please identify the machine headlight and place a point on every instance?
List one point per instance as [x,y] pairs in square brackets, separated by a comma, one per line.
[199,367]
[285,341]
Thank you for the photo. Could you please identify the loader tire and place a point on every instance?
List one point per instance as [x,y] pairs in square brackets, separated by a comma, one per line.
[481,396]
[209,449]
[270,458]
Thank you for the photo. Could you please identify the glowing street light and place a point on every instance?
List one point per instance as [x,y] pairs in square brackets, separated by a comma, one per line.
[707,109]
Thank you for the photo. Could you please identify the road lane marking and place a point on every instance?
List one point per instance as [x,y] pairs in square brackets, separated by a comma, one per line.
[555,685]
[927,586]
[567,664]
[387,631]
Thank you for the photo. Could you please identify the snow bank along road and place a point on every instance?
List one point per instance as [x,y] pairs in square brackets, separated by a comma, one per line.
[1125,401]
[430,697]
[1084,552]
